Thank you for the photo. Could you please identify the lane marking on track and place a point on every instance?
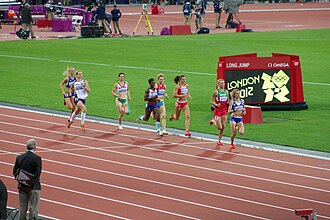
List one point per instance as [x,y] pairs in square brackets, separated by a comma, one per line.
[148,139]
[154,170]
[39,215]
[132,67]
[175,153]
[69,205]
[176,163]
[247,11]
[166,197]
[69,149]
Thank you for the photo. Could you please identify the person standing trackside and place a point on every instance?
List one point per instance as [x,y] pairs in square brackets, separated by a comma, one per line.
[187,12]
[116,15]
[217,11]
[27,21]
[29,190]
[3,201]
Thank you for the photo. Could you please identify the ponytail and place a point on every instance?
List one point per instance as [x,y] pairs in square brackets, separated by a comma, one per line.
[177,79]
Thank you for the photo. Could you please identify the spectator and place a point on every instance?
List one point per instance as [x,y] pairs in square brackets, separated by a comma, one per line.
[100,14]
[107,21]
[29,190]
[59,9]
[187,12]
[116,15]
[67,2]
[217,11]
[3,201]
[27,21]
[50,9]
[199,17]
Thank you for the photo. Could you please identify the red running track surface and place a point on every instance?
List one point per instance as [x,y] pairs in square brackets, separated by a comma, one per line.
[105,173]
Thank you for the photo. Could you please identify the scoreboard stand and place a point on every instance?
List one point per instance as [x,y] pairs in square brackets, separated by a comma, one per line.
[273,83]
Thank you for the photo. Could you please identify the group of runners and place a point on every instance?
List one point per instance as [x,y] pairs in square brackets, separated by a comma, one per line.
[75,91]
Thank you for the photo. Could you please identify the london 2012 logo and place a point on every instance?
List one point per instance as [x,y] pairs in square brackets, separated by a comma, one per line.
[275,86]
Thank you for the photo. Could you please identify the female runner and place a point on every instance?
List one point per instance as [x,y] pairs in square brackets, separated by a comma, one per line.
[82,89]
[151,96]
[181,92]
[161,91]
[236,109]
[220,99]
[122,93]
[68,94]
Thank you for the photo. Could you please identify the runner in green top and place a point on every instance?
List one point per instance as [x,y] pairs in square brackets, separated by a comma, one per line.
[220,100]
[122,93]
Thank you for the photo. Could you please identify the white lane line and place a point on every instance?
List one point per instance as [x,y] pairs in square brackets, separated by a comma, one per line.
[69,205]
[132,67]
[160,183]
[118,201]
[39,215]
[69,149]
[172,198]
[24,57]
[176,163]
[175,153]
[155,170]
[160,141]
[247,11]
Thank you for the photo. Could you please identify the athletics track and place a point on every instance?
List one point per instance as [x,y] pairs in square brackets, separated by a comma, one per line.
[105,173]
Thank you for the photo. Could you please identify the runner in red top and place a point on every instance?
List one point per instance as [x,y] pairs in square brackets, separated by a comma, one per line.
[181,92]
[220,100]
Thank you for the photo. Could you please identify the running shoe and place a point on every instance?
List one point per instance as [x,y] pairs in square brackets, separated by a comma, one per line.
[160,133]
[120,127]
[70,123]
[138,120]
[165,132]
[83,127]
[171,117]
[211,122]
[219,143]
[187,134]
[232,146]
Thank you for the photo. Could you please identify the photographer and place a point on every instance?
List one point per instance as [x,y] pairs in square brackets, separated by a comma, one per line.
[28,165]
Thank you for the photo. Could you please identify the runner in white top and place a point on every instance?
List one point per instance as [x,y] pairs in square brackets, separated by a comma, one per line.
[82,89]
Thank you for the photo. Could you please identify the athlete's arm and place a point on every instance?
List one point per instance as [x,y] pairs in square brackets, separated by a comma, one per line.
[65,80]
[87,86]
[128,93]
[114,89]
[175,92]
[165,94]
[189,93]
[243,111]
[230,108]
[213,99]
[146,95]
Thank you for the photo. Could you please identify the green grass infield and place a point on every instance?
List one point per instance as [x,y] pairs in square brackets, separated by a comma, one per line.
[35,82]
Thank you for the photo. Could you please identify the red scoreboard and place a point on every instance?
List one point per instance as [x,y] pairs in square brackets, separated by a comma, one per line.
[274,83]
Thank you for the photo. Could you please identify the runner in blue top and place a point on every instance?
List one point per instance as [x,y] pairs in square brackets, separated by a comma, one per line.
[67,92]
[151,97]
[237,109]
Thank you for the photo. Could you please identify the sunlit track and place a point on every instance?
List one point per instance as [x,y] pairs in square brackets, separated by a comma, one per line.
[75,157]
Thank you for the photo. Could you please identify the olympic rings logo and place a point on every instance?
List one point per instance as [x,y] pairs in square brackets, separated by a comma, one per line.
[280,78]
